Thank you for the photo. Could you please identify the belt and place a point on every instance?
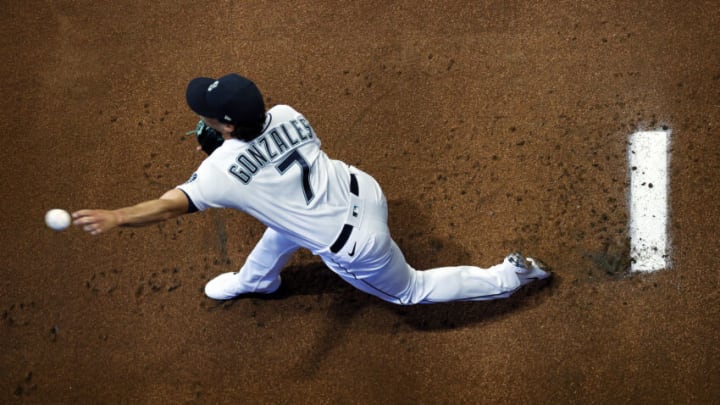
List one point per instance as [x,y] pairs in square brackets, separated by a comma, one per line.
[347,228]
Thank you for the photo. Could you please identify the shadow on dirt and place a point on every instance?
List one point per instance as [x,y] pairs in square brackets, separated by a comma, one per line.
[343,304]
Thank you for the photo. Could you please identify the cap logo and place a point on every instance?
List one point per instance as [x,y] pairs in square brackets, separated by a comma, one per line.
[213,86]
[228,118]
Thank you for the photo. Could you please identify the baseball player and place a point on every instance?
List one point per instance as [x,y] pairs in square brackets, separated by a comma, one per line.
[270,165]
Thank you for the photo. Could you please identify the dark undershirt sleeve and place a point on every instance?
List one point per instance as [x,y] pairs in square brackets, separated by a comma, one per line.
[191,205]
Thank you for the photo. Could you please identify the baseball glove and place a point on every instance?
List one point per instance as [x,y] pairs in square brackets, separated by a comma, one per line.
[208,138]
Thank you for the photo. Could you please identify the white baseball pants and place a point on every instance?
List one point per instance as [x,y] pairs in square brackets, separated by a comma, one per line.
[377,266]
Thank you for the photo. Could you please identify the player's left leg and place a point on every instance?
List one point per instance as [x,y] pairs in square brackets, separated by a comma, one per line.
[389,277]
[468,283]
[261,271]
[378,267]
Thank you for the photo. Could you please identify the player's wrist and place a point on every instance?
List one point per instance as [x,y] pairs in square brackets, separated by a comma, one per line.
[119,217]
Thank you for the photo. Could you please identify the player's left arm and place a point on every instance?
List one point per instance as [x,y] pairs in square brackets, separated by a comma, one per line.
[170,205]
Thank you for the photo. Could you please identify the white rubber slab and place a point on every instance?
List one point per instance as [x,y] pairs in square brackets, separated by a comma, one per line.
[648,158]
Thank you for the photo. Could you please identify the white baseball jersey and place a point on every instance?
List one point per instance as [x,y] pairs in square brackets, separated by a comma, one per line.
[282,178]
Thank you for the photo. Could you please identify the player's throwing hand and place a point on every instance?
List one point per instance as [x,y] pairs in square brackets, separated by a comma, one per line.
[95,221]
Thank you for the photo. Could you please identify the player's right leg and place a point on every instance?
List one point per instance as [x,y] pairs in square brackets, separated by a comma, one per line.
[261,271]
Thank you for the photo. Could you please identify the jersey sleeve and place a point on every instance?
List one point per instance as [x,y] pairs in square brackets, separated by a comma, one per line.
[196,191]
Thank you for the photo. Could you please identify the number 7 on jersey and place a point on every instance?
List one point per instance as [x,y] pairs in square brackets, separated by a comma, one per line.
[296,157]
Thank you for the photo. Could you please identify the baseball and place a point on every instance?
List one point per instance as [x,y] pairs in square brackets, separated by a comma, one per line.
[57,219]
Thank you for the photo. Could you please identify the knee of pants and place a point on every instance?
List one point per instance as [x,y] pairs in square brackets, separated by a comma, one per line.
[398,284]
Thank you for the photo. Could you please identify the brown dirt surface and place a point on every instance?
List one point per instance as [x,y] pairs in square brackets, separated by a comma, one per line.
[492,126]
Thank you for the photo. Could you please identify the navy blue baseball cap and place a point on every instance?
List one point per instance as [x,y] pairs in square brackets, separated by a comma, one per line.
[232,99]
